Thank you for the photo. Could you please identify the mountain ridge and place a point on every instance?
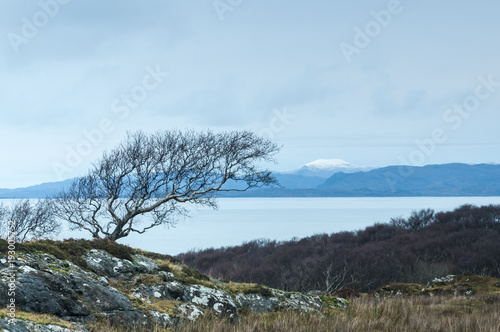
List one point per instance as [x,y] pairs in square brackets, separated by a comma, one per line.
[452,179]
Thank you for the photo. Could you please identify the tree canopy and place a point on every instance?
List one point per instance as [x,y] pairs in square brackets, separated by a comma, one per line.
[152,174]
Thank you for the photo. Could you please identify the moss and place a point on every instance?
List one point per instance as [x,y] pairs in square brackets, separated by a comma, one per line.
[123,286]
[188,276]
[57,249]
[164,267]
[149,279]
[400,289]
[44,319]
[189,272]
[57,268]
[71,249]
[237,288]
[333,301]
[465,284]
[165,306]
[156,256]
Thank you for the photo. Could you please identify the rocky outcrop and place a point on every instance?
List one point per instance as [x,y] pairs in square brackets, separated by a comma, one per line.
[140,291]
[458,285]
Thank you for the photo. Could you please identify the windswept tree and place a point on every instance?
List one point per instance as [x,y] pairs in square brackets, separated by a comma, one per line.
[27,220]
[143,182]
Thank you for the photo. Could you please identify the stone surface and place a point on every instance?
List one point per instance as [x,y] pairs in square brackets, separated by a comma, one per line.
[48,285]
[26,326]
[256,302]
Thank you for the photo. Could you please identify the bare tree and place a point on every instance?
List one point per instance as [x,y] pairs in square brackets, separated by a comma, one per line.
[152,174]
[416,221]
[334,279]
[29,220]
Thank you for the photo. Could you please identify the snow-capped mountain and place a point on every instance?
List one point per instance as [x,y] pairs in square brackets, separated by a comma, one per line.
[327,167]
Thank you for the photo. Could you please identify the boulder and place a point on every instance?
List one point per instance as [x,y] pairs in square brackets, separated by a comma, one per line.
[103,263]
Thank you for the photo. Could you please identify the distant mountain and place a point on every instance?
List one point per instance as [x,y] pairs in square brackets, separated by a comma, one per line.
[295,181]
[432,180]
[325,168]
[350,180]
[38,191]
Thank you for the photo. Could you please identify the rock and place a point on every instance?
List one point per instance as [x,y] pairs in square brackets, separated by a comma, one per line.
[106,285]
[175,290]
[44,292]
[27,326]
[447,279]
[301,302]
[162,319]
[146,293]
[256,302]
[218,300]
[190,312]
[102,263]
[148,264]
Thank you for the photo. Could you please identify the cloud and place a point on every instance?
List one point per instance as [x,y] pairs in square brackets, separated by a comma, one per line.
[233,74]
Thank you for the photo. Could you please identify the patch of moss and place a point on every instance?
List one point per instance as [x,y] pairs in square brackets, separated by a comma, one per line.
[333,301]
[465,284]
[44,319]
[123,286]
[189,272]
[400,289]
[55,248]
[149,279]
[156,256]
[237,288]
[72,249]
[165,306]
[164,267]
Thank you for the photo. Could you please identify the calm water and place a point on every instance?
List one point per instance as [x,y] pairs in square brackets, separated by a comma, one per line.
[245,219]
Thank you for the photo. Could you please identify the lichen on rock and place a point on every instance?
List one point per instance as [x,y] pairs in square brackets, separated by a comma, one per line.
[140,291]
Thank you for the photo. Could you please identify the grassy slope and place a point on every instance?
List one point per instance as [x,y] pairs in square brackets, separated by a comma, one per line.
[406,312]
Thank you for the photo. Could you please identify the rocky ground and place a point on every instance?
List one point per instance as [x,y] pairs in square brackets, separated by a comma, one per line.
[65,286]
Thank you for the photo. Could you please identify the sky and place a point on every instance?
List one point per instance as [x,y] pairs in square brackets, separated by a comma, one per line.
[374,83]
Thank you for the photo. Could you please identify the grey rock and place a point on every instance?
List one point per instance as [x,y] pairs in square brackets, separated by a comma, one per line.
[146,293]
[162,319]
[104,264]
[299,302]
[218,300]
[166,276]
[27,326]
[175,290]
[148,264]
[44,292]
[256,302]
[191,312]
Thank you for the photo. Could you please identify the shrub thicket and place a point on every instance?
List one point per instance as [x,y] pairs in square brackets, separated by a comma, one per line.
[417,249]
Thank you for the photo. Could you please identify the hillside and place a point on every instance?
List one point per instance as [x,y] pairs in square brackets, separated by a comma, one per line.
[80,284]
[414,249]
[431,180]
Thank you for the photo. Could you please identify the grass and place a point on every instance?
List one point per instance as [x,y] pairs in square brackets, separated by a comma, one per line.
[463,284]
[236,288]
[71,249]
[367,313]
[44,319]
[415,310]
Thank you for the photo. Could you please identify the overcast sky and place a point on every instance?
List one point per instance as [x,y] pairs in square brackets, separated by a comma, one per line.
[371,82]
